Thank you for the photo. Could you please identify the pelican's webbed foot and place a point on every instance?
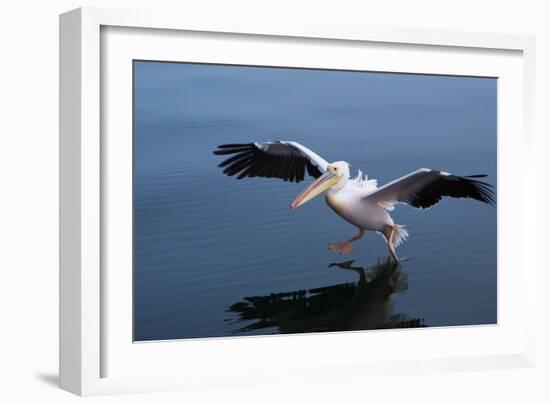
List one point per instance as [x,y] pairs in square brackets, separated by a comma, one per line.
[341,248]
[346,247]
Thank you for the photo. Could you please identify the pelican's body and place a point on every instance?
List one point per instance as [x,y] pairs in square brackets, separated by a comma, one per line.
[358,200]
[348,202]
[349,199]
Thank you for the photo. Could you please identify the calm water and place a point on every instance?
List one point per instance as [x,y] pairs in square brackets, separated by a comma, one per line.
[218,257]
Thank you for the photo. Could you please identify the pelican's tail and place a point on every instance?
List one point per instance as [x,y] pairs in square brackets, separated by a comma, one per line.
[401,236]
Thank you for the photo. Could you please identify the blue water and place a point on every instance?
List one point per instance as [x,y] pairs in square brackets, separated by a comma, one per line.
[214,256]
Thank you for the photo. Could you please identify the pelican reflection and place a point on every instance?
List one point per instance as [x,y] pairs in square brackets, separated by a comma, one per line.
[361,305]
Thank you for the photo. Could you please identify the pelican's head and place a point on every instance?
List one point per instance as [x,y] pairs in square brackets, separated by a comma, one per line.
[337,173]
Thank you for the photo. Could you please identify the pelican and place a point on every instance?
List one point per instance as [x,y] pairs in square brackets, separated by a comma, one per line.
[358,200]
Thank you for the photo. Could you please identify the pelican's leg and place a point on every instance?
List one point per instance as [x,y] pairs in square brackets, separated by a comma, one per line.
[390,243]
[345,247]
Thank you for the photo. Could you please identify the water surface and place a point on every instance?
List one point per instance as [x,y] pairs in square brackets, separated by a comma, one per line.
[214,256]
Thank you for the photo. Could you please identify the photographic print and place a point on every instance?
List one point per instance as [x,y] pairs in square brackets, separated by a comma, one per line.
[276,200]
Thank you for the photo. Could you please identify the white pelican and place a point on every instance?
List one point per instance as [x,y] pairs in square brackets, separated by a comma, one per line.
[359,201]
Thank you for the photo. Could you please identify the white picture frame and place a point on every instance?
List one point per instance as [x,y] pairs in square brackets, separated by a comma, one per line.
[96,354]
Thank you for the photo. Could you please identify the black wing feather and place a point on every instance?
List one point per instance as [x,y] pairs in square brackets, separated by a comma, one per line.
[453,186]
[312,170]
[249,160]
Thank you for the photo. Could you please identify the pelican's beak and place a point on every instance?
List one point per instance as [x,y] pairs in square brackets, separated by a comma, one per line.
[322,183]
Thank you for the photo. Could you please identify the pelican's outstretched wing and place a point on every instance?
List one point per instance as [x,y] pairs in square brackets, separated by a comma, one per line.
[425,187]
[286,160]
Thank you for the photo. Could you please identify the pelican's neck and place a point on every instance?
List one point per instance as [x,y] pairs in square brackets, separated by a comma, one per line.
[340,184]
